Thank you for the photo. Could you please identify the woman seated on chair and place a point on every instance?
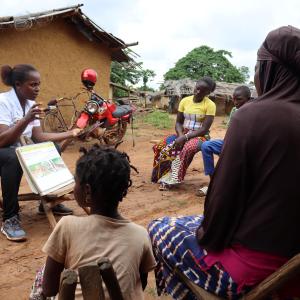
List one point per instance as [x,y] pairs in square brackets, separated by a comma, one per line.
[19,115]
[101,182]
[251,216]
[173,155]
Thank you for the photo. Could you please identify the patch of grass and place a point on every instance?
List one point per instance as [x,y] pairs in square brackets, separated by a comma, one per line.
[159,119]
[151,291]
[135,125]
[181,203]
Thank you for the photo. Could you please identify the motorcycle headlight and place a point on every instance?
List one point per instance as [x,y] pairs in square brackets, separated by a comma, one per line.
[92,107]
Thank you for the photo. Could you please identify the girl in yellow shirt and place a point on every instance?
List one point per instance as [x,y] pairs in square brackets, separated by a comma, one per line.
[173,155]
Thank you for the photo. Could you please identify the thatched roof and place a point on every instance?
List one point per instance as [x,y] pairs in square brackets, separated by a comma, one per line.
[186,87]
[224,89]
[179,87]
[74,15]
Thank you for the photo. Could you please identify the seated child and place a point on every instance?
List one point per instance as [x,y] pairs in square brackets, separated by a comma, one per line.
[101,181]
[241,95]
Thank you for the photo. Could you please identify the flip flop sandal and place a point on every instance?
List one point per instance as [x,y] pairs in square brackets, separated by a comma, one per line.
[164,187]
[202,191]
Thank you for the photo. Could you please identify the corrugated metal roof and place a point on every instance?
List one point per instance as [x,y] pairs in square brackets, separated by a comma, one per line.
[73,14]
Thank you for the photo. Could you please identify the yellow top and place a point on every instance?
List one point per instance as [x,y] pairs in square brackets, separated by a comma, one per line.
[194,113]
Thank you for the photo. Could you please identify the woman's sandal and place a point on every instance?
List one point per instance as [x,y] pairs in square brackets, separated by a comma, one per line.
[164,187]
[202,191]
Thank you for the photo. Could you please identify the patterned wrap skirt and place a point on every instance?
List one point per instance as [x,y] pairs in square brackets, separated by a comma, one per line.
[170,165]
[36,289]
[175,246]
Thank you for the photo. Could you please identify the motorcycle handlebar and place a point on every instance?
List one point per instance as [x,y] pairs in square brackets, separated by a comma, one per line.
[98,96]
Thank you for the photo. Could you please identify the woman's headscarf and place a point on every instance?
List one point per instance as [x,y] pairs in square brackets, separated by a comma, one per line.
[278,60]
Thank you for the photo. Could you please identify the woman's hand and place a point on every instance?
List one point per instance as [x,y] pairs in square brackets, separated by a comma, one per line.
[76,131]
[180,141]
[34,113]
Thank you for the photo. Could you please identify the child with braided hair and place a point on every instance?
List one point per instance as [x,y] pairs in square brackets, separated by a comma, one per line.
[101,181]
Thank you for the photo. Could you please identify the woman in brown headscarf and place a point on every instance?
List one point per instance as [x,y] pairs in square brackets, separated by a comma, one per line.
[252,217]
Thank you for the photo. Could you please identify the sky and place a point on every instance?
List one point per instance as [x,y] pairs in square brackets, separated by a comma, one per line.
[166,30]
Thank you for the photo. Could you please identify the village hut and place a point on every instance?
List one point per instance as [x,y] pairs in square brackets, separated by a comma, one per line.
[130,95]
[60,43]
[159,100]
[222,96]
[175,90]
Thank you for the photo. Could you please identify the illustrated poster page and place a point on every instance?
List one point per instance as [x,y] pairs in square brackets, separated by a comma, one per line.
[46,166]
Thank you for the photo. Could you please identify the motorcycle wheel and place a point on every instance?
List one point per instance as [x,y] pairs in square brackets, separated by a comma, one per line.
[115,134]
[52,123]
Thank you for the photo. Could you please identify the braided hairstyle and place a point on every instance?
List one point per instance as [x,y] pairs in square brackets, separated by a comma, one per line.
[19,73]
[107,171]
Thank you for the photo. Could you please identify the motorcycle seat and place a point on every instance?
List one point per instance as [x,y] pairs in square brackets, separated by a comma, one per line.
[122,110]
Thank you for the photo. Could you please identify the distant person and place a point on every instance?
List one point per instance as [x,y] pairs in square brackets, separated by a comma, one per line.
[173,155]
[102,179]
[241,95]
[19,115]
[172,104]
[251,219]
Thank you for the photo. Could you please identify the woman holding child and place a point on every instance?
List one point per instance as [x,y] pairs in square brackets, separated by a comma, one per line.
[251,217]
[173,155]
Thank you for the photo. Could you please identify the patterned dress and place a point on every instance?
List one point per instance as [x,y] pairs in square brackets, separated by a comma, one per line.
[175,246]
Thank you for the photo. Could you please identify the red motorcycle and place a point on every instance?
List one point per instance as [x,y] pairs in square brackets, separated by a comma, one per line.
[101,119]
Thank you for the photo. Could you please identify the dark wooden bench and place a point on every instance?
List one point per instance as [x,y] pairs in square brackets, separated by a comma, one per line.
[91,278]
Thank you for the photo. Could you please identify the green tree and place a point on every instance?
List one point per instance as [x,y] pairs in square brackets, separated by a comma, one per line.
[245,72]
[204,61]
[125,73]
[128,74]
[146,75]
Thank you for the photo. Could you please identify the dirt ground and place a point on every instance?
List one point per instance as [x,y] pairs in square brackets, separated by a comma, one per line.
[144,202]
